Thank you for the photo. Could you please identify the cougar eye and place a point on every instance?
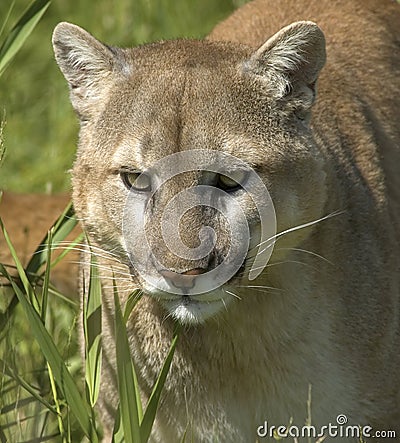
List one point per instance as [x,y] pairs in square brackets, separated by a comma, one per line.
[139,181]
[233,182]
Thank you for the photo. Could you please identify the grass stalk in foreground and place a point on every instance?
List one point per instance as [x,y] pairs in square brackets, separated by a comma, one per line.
[21,31]
[92,331]
[136,424]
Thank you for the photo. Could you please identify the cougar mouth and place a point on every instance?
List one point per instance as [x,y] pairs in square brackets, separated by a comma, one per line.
[186,303]
[190,296]
[191,310]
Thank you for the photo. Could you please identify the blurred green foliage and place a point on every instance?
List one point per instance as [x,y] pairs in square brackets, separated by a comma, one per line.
[41,130]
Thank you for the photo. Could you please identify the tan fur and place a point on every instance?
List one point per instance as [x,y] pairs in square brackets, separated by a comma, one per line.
[332,321]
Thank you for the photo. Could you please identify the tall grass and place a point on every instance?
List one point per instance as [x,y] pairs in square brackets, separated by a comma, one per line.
[21,31]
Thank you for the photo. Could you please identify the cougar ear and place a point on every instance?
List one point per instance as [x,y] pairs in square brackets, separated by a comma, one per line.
[86,64]
[290,62]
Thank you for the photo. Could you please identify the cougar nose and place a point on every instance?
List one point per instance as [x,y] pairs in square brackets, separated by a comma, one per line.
[184,280]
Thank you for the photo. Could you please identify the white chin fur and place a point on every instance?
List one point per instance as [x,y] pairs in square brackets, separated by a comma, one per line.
[192,312]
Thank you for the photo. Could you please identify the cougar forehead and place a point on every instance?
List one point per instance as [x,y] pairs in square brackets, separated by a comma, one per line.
[167,98]
[180,107]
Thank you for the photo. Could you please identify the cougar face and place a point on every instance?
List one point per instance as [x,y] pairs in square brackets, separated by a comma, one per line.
[184,162]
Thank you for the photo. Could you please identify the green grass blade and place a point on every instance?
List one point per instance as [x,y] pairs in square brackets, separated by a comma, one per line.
[6,369]
[118,431]
[77,241]
[21,32]
[61,229]
[152,405]
[183,440]
[5,317]
[2,146]
[46,281]
[21,272]
[56,400]
[131,302]
[92,330]
[133,298]
[127,384]
[7,17]
[58,294]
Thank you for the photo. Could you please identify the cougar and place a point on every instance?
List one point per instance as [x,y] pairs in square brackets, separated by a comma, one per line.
[248,184]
